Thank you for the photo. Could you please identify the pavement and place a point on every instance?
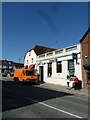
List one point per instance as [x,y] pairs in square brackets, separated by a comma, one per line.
[84,92]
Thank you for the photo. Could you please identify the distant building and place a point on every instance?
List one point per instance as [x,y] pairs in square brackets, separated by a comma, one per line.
[85,48]
[5,64]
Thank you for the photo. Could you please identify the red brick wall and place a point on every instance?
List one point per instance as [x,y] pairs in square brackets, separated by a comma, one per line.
[85,45]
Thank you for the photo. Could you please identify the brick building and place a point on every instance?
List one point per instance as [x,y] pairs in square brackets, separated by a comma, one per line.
[85,48]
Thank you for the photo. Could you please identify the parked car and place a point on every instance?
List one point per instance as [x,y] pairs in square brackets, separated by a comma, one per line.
[7,71]
[4,74]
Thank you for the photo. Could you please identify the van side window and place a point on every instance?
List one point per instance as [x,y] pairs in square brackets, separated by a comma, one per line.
[23,72]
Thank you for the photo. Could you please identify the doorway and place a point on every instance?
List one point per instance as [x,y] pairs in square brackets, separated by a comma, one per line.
[41,73]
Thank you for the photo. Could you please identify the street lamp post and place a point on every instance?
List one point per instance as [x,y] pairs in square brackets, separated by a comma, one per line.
[19,60]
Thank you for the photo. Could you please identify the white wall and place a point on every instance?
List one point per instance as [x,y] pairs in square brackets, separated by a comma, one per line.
[29,56]
[60,78]
[56,78]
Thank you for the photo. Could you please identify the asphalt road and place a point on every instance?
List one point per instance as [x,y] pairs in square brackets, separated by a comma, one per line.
[33,101]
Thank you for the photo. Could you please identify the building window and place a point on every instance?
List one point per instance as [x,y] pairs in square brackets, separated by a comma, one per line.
[4,66]
[71,67]
[59,67]
[49,69]
[29,53]
[31,60]
[27,62]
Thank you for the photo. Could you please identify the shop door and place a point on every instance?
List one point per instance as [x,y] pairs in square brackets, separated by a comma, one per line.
[41,73]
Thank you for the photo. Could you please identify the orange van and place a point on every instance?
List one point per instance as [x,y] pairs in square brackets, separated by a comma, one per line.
[25,75]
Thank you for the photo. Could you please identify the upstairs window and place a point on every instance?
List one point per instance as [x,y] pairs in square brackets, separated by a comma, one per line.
[31,60]
[29,53]
[59,67]
[27,62]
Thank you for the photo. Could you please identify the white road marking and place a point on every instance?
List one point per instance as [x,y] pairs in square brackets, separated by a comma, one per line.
[47,105]
[54,108]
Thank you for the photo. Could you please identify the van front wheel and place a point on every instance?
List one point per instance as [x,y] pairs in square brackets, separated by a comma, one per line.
[23,81]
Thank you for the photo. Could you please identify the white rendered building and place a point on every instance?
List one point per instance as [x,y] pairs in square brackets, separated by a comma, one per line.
[55,65]
[31,56]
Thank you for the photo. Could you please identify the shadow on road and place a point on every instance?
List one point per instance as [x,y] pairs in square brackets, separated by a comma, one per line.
[14,95]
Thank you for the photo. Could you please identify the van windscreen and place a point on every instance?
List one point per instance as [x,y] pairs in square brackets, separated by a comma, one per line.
[29,73]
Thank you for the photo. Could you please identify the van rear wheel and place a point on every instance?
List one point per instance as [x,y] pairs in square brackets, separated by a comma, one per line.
[16,79]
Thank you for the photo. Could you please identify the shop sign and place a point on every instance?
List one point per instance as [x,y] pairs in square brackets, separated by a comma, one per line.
[53,60]
[74,55]
[40,64]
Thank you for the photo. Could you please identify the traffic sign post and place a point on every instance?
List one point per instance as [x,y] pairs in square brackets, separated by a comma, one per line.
[74,56]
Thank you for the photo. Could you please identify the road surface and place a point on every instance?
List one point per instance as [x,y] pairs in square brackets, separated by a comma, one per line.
[33,101]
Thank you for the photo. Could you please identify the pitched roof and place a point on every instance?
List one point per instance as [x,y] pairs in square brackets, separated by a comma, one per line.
[85,35]
[41,49]
[6,62]
[10,63]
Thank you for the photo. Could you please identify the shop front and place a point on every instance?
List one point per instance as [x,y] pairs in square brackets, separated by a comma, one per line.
[54,68]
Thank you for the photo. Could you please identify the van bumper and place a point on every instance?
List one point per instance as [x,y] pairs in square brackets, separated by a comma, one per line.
[31,80]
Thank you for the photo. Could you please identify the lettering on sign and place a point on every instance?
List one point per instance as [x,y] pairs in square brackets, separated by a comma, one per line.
[53,60]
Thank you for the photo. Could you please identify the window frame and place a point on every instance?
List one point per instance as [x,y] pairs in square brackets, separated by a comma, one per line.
[49,69]
[59,64]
